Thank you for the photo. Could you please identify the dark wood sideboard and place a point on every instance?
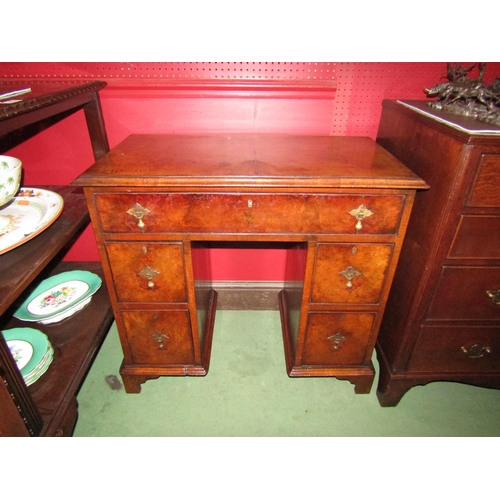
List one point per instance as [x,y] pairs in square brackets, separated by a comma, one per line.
[442,321]
[338,205]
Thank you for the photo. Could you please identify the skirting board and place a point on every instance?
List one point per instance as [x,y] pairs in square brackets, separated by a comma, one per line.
[248,295]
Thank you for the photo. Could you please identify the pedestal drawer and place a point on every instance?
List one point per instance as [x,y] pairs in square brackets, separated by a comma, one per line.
[465,293]
[460,348]
[148,272]
[337,338]
[249,213]
[159,337]
[350,273]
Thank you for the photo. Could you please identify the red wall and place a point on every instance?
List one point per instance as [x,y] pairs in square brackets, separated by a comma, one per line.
[323,98]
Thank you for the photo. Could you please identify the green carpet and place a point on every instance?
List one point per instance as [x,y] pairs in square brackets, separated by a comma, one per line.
[248,393]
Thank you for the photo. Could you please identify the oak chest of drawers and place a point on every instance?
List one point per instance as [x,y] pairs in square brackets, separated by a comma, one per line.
[339,206]
[443,315]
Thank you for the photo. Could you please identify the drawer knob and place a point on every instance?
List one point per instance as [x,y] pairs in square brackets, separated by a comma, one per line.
[336,340]
[359,214]
[149,274]
[349,274]
[139,212]
[476,351]
[494,295]
[158,336]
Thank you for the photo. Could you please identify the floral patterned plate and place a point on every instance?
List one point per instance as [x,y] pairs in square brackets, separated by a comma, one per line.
[58,294]
[29,348]
[32,211]
[66,314]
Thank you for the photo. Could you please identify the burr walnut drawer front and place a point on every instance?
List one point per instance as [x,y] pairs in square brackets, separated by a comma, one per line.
[337,338]
[485,192]
[148,272]
[457,348]
[159,337]
[248,213]
[350,273]
[467,293]
[473,239]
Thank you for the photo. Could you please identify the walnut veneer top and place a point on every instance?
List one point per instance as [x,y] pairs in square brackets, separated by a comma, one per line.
[283,161]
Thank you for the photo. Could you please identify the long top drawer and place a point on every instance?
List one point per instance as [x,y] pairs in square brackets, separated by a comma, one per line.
[248,213]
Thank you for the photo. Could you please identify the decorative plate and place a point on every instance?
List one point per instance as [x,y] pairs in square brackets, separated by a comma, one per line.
[32,211]
[17,338]
[57,294]
[43,366]
[66,314]
[21,351]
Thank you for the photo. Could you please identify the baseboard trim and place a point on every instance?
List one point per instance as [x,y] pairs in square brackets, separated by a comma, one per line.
[248,295]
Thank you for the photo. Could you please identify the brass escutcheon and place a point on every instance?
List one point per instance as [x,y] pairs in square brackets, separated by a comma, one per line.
[158,336]
[149,274]
[336,340]
[359,214]
[349,274]
[139,212]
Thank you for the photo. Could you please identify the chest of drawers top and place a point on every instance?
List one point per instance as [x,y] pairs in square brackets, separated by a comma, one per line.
[285,162]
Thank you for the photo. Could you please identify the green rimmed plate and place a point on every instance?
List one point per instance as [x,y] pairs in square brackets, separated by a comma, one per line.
[28,347]
[57,294]
[33,376]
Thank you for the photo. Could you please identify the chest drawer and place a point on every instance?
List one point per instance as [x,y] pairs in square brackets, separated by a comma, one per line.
[337,338]
[248,213]
[485,191]
[148,272]
[477,237]
[460,348]
[462,294]
[349,273]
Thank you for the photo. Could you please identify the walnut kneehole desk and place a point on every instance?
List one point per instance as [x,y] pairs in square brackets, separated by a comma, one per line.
[338,205]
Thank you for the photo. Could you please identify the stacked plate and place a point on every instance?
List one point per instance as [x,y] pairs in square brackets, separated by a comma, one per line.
[59,297]
[31,351]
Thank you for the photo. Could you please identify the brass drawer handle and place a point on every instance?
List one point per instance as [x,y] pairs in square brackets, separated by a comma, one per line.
[359,214]
[139,212]
[349,274]
[336,340]
[158,336]
[476,351]
[494,295]
[149,274]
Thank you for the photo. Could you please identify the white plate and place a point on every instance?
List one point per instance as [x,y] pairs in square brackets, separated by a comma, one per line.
[60,296]
[32,211]
[69,312]
[22,352]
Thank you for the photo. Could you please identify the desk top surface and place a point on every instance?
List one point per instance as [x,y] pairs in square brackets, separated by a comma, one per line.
[274,161]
